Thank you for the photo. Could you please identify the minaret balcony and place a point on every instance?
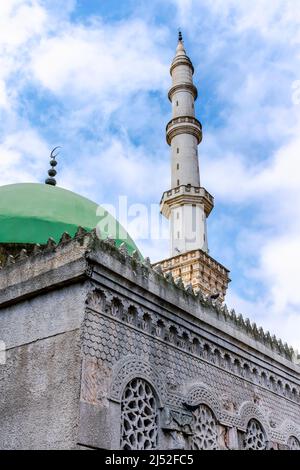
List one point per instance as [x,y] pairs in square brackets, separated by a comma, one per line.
[184,125]
[186,194]
[190,87]
[181,59]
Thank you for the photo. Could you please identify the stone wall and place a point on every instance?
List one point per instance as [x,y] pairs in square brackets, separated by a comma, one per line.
[41,312]
[106,352]
[212,384]
[39,394]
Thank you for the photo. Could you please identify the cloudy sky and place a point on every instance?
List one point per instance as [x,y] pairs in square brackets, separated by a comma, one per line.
[92,76]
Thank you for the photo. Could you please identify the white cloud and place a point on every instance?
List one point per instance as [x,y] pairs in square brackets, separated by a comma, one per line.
[119,168]
[20,20]
[234,16]
[251,162]
[98,77]
[284,324]
[234,179]
[21,156]
[94,69]
[3,95]
[101,62]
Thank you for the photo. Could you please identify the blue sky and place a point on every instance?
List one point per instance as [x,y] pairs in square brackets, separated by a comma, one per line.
[93,75]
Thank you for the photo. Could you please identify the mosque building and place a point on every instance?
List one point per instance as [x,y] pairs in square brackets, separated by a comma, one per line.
[104,350]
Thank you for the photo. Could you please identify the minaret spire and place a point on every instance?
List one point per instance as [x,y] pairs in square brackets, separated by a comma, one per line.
[187,204]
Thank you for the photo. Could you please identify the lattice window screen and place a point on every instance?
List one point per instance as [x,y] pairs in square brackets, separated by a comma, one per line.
[139,417]
[254,438]
[205,429]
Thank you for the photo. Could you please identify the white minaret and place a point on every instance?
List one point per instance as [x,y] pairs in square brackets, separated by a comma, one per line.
[186,204]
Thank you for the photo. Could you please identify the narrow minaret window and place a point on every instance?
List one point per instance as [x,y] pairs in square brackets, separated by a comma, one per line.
[177,166]
[177,149]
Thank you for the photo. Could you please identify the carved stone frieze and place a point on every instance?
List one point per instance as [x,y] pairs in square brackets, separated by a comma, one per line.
[131,367]
[150,322]
[133,342]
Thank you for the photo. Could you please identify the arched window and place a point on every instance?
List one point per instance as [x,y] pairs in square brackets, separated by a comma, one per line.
[254,438]
[139,416]
[205,432]
[293,443]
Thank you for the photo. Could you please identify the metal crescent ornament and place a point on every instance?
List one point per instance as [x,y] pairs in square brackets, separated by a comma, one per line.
[52,152]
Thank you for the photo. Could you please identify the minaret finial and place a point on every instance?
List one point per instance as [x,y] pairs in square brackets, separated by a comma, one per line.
[52,172]
[179,35]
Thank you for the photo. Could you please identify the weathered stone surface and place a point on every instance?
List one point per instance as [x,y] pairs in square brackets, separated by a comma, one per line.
[45,315]
[86,325]
[40,387]
[198,269]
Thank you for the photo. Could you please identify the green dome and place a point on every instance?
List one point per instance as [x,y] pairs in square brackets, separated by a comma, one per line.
[32,213]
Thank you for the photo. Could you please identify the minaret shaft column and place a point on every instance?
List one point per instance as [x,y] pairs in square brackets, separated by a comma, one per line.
[186,204]
[184,160]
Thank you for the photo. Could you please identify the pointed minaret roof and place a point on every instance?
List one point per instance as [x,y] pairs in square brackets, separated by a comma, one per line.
[180,50]
[181,55]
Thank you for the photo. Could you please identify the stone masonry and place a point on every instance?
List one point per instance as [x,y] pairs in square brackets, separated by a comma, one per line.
[103,351]
[198,269]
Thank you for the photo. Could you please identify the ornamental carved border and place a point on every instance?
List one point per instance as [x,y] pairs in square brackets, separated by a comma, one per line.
[290,429]
[129,312]
[201,394]
[131,367]
[248,411]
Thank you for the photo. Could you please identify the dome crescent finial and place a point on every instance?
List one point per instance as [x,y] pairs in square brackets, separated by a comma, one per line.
[52,172]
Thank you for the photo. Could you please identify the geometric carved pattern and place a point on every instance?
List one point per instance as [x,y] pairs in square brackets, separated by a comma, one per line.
[131,367]
[205,436]
[293,443]
[201,395]
[125,311]
[139,419]
[254,438]
[115,326]
[249,411]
